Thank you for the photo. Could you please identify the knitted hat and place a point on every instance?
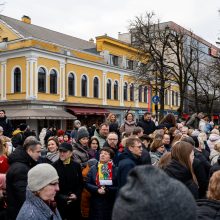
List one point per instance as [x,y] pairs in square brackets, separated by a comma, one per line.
[82,132]
[65,146]
[40,176]
[76,122]
[1,128]
[151,194]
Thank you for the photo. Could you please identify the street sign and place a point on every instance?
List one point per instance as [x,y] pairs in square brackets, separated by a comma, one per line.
[155,99]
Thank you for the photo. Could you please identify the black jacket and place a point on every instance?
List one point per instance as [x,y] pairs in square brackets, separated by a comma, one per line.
[215,167]
[117,153]
[127,161]
[7,126]
[101,205]
[16,180]
[178,171]
[70,181]
[148,126]
[208,209]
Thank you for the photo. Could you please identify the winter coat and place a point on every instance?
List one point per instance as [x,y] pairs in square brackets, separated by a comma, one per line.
[148,126]
[193,122]
[36,209]
[201,177]
[145,156]
[155,157]
[114,127]
[17,138]
[202,125]
[213,139]
[214,156]
[127,161]
[3,164]
[7,126]
[80,154]
[70,181]
[215,167]
[101,205]
[16,180]
[178,171]
[208,209]
[127,126]
[100,138]
[165,125]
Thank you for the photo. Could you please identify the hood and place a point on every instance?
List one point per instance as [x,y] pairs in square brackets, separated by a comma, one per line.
[214,137]
[16,132]
[20,155]
[214,204]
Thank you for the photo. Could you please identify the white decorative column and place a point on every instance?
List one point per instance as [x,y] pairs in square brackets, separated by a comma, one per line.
[136,96]
[3,80]
[31,84]
[104,92]
[121,90]
[62,82]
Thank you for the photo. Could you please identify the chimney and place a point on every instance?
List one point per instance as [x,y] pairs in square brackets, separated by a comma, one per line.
[26,19]
[91,40]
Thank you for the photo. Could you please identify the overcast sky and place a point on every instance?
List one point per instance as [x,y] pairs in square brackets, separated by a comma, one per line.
[88,18]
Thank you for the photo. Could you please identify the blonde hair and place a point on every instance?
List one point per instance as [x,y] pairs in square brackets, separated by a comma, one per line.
[217,146]
[214,186]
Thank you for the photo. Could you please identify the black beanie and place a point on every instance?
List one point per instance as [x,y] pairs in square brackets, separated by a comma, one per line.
[151,194]
[82,132]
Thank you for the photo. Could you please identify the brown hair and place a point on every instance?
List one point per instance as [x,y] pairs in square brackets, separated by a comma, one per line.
[109,150]
[53,139]
[91,140]
[130,142]
[109,117]
[156,144]
[129,113]
[214,186]
[164,160]
[176,138]
[169,118]
[180,152]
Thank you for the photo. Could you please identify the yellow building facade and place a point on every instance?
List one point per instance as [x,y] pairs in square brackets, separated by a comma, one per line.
[49,78]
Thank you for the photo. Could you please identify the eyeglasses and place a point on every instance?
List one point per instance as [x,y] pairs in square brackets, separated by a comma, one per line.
[112,139]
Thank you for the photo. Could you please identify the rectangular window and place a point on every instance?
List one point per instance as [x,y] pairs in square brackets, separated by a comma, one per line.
[114,60]
[130,64]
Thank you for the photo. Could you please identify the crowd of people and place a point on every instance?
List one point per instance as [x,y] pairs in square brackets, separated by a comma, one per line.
[133,170]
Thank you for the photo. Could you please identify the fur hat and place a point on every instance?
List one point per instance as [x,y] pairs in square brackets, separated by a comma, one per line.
[40,176]
[151,194]
[82,132]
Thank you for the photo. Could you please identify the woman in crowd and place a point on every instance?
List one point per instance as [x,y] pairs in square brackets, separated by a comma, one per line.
[102,184]
[209,209]
[52,147]
[168,122]
[3,157]
[80,148]
[67,138]
[93,148]
[2,196]
[113,123]
[129,123]
[157,150]
[41,190]
[180,167]
[215,153]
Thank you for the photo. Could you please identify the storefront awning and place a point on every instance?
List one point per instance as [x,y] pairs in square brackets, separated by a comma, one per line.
[39,114]
[88,111]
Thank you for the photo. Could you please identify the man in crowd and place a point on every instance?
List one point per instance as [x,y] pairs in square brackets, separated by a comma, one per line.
[21,161]
[129,159]
[5,123]
[147,124]
[70,183]
[102,133]
[166,142]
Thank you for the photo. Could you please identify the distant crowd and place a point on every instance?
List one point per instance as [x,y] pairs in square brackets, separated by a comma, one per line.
[134,170]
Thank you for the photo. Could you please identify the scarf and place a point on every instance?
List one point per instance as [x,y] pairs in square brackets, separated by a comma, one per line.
[67,161]
[104,174]
[51,204]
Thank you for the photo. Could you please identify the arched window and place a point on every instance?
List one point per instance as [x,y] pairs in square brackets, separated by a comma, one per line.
[115,90]
[53,82]
[41,80]
[96,87]
[125,91]
[132,92]
[17,80]
[84,86]
[145,94]
[71,84]
[140,93]
[109,89]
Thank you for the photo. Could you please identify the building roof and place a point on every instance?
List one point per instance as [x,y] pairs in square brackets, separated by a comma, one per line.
[31,30]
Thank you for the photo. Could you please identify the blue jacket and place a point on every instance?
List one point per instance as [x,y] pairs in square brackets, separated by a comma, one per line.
[35,208]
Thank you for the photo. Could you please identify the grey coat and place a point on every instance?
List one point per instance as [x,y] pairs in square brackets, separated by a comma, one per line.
[36,209]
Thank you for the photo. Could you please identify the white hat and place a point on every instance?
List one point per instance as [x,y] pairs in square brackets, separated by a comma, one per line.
[40,176]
